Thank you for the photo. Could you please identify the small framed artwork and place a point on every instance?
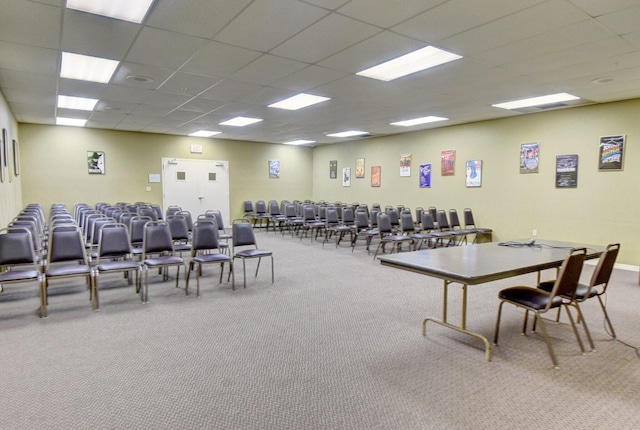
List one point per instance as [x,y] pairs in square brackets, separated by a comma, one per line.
[95,162]
[333,169]
[567,171]
[2,168]
[359,168]
[447,162]
[346,177]
[375,176]
[5,148]
[611,153]
[529,157]
[474,173]
[274,169]
[16,158]
[405,164]
[425,176]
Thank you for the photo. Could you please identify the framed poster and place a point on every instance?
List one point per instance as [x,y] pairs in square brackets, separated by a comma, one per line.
[346,177]
[447,162]
[375,176]
[359,168]
[2,168]
[405,164]
[16,158]
[425,176]
[274,169]
[611,153]
[5,148]
[567,171]
[529,157]
[333,169]
[474,173]
[95,162]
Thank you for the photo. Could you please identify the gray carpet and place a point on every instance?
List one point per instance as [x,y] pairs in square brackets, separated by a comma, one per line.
[335,343]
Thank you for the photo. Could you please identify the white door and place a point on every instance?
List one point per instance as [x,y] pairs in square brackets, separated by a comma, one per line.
[196,186]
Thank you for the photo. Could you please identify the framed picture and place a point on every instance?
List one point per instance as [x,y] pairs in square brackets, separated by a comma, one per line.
[447,162]
[425,176]
[359,168]
[405,164]
[333,169]
[474,173]
[5,148]
[346,177]
[2,168]
[375,176]
[567,171]
[274,169]
[16,158]
[529,157]
[611,153]
[95,162]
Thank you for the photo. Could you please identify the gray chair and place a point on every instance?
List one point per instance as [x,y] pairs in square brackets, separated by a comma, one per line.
[363,230]
[66,258]
[18,261]
[179,233]
[387,234]
[244,237]
[480,232]
[158,253]
[205,249]
[539,301]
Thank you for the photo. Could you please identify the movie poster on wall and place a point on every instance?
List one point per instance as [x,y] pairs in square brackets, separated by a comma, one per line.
[474,173]
[405,164]
[447,162]
[611,153]
[567,171]
[333,169]
[529,157]
[425,176]
[375,176]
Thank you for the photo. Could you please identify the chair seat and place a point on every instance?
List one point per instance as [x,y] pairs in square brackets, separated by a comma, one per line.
[583,291]
[178,247]
[253,253]
[68,270]
[533,298]
[211,258]
[163,261]
[19,275]
[118,266]
[396,238]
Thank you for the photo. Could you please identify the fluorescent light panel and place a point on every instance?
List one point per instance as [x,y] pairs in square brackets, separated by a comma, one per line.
[416,121]
[299,142]
[241,121]
[78,103]
[204,133]
[299,101]
[126,10]
[349,133]
[86,68]
[537,101]
[407,64]
[71,121]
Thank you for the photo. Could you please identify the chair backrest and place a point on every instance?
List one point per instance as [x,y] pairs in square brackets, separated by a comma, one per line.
[374,216]
[219,221]
[148,212]
[569,274]
[243,233]
[602,272]
[427,222]
[393,217]
[16,247]
[384,224]
[136,229]
[308,213]
[247,206]
[187,218]
[419,211]
[290,211]
[441,219]
[454,221]
[406,222]
[178,227]
[125,219]
[274,208]
[172,210]
[362,220]
[97,226]
[30,225]
[331,217]
[434,212]
[205,236]
[114,240]
[261,207]
[468,218]
[157,238]
[66,244]
[347,216]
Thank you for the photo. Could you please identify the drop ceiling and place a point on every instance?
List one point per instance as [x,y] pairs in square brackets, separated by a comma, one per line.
[193,64]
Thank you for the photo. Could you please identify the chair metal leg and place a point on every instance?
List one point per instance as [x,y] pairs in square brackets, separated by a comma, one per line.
[606,317]
[496,331]
[575,329]
[548,341]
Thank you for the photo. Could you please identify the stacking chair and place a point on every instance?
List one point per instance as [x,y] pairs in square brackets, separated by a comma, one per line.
[455,236]
[293,221]
[205,249]
[172,210]
[387,234]
[187,218]
[480,232]
[310,223]
[261,213]
[136,233]
[438,237]
[539,301]
[333,226]
[18,261]
[179,233]
[66,258]
[597,286]
[362,229]
[244,237]
[222,232]
[427,235]
[114,255]
[276,218]
[454,224]
[158,253]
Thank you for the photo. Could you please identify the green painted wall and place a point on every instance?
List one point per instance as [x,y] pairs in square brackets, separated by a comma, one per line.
[11,187]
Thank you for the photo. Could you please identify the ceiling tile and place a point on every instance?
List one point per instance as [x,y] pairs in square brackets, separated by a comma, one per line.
[163,48]
[308,78]
[623,21]
[267,69]
[386,13]
[25,58]
[229,90]
[207,60]
[21,18]
[187,84]
[598,7]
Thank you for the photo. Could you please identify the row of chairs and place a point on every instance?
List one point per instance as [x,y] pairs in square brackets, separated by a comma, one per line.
[67,255]
[564,292]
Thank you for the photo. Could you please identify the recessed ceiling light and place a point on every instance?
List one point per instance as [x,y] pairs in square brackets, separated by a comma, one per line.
[349,133]
[299,101]
[601,81]
[71,121]
[79,103]
[407,64]
[86,68]
[127,10]
[138,78]
[299,142]
[416,121]
[205,133]
[241,121]
[537,101]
